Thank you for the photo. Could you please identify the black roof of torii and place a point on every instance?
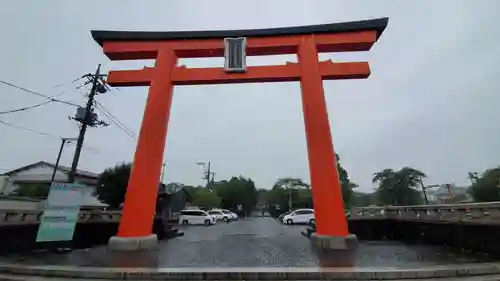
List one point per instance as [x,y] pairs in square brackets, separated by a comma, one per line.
[377,25]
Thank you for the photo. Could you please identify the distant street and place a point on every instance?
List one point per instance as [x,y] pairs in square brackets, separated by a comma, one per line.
[254,242]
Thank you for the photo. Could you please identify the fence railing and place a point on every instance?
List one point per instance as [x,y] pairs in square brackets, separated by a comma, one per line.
[16,217]
[469,213]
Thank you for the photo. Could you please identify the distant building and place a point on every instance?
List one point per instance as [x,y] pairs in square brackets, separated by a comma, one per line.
[40,174]
[448,194]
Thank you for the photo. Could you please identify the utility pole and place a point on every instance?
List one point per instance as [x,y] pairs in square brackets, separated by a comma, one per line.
[425,193]
[473,178]
[63,142]
[87,118]
[162,172]
[423,190]
[208,174]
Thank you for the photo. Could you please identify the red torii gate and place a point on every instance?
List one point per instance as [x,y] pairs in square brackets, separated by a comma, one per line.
[166,47]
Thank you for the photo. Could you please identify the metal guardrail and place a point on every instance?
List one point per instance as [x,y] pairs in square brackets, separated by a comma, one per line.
[469,213]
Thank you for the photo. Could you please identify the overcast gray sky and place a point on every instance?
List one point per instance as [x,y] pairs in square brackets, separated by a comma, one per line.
[431,102]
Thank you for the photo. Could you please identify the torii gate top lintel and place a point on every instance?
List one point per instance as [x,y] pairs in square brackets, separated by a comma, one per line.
[377,25]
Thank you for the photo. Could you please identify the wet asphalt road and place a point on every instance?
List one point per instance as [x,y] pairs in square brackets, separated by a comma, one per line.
[254,242]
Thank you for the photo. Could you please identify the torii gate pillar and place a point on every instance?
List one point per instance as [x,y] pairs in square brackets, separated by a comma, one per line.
[166,47]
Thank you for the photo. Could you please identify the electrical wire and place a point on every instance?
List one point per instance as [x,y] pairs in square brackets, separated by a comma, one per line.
[27,129]
[115,120]
[39,104]
[89,148]
[31,106]
[19,127]
[38,94]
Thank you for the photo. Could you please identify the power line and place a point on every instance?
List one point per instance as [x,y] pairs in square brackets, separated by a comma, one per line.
[39,104]
[19,127]
[89,148]
[30,107]
[27,129]
[116,121]
[24,108]
[38,94]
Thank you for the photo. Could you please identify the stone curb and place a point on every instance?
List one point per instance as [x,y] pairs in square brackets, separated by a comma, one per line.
[260,273]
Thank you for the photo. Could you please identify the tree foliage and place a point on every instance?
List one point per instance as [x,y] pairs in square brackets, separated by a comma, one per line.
[291,183]
[174,187]
[206,198]
[237,191]
[398,187]
[346,184]
[227,194]
[299,192]
[486,188]
[112,184]
[360,199]
[33,190]
[290,193]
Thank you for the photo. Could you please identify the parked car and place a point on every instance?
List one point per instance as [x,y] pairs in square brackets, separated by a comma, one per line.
[218,215]
[231,215]
[300,216]
[280,217]
[196,217]
[222,214]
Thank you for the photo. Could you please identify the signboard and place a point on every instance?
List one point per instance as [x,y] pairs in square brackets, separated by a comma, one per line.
[61,212]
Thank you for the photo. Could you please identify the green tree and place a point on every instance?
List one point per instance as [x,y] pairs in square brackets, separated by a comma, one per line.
[237,191]
[486,188]
[294,197]
[277,200]
[291,183]
[304,198]
[346,184]
[300,192]
[33,190]
[360,199]
[206,198]
[398,187]
[112,184]
[173,187]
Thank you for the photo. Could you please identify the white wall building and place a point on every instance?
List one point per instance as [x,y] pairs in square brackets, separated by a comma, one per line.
[40,173]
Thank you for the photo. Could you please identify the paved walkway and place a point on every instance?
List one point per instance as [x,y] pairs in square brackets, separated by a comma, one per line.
[255,242]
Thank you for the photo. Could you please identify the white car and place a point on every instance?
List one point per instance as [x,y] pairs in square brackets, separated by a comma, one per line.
[224,215]
[231,215]
[196,217]
[218,215]
[300,216]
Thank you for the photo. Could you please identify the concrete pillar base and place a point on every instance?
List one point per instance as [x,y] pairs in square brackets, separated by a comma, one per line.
[335,250]
[326,242]
[132,243]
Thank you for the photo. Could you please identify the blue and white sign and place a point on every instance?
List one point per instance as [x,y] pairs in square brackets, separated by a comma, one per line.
[61,212]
